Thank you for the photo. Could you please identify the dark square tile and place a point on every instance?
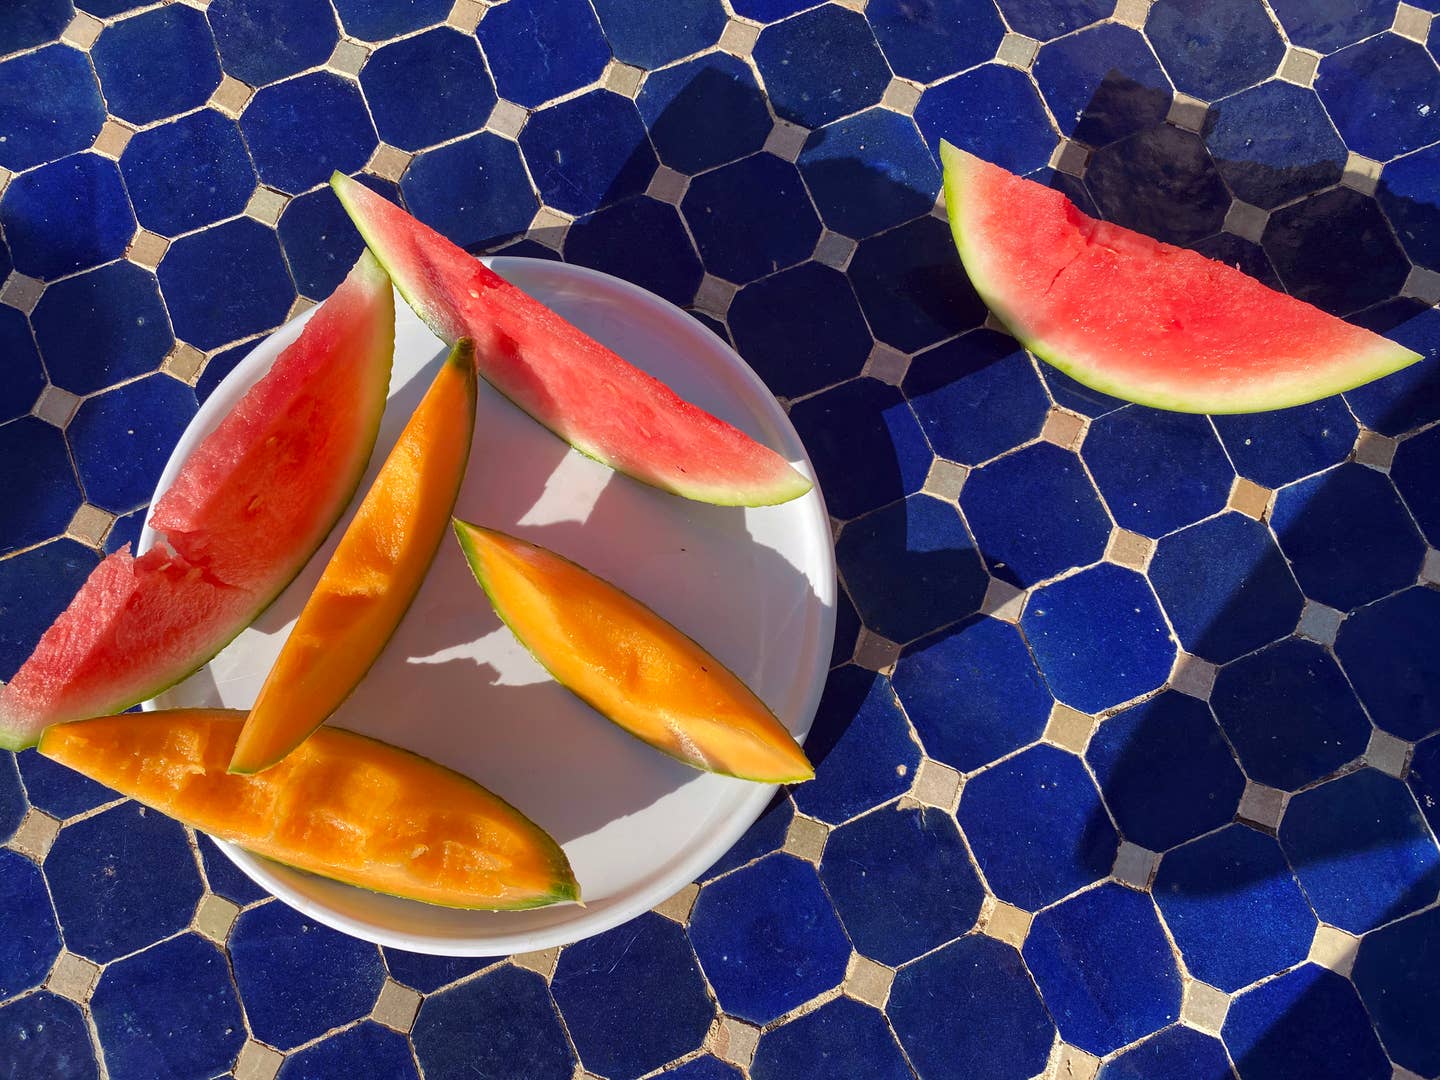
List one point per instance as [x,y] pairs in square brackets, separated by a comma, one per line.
[225,283]
[1399,982]
[1275,448]
[769,196]
[367,1049]
[821,65]
[264,40]
[377,20]
[653,35]
[69,215]
[1388,651]
[930,40]
[49,106]
[59,790]
[836,1036]
[1160,182]
[45,1035]
[869,172]
[102,327]
[1102,84]
[1214,48]
[1417,463]
[32,940]
[49,576]
[665,263]
[588,152]
[36,23]
[122,439]
[303,130]
[474,191]
[1407,195]
[24,374]
[1177,1053]
[503,1023]
[541,49]
[1046,19]
[190,172]
[426,89]
[429,973]
[704,112]
[992,111]
[38,484]
[319,240]
[157,64]
[1274,143]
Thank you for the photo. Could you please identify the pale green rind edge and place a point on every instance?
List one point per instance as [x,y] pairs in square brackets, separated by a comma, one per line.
[956,163]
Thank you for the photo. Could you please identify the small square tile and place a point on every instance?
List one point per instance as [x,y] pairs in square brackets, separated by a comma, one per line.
[1204,1007]
[90,524]
[396,1006]
[1261,805]
[1402,1073]
[185,362]
[623,79]
[1064,429]
[5,175]
[867,981]
[874,652]
[56,406]
[147,249]
[668,185]
[714,295]
[266,205]
[887,364]
[1361,174]
[214,916]
[1422,284]
[1377,451]
[231,96]
[73,977]
[1187,113]
[1130,549]
[35,835]
[939,211]
[677,907]
[806,838]
[465,16]
[1008,923]
[348,58]
[1249,498]
[1017,50]
[1412,22]
[21,292]
[82,30]
[1132,12]
[1388,753]
[1072,1063]
[1003,601]
[298,307]
[786,140]
[1070,158]
[936,785]
[549,227]
[1319,623]
[1430,568]
[113,138]
[945,479]
[1069,728]
[853,5]
[507,118]
[1193,676]
[258,1062]
[734,1041]
[1298,67]
[901,97]
[738,38]
[1246,221]
[1333,948]
[1134,865]
[835,250]
[541,962]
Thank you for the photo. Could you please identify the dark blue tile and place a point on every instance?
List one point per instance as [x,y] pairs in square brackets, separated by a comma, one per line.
[1104,968]
[632,997]
[525,248]
[768,195]
[1347,536]
[865,443]
[319,240]
[122,439]
[983,663]
[34,23]
[1425,780]
[703,1068]
[126,530]
[911,568]
[1361,850]
[157,64]
[704,112]
[1326,25]
[994,112]
[1035,513]
[1388,651]
[1159,471]
[102,327]
[69,215]
[1177,1053]
[224,877]
[48,577]
[31,940]
[1234,908]
[665,263]
[847,628]
[105,8]
[24,375]
[38,484]
[426,89]
[1407,194]
[1307,1023]
[1160,182]
[1165,770]
[1417,462]
[650,35]
[540,49]
[217,367]
[1290,714]
[1212,49]
[1410,397]
[768,938]
[1099,637]
[366,1049]
[869,172]
[1037,827]
[1274,143]
[429,973]
[914,292]
[265,40]
[122,880]
[768,832]
[861,747]
[474,191]
[13,803]
[1399,982]
[190,172]
[821,65]
[376,20]
[929,40]
[1102,84]
[801,329]
[901,882]
[1046,19]
[225,283]
[59,790]
[169,1011]
[1225,586]
[1245,255]
[1274,448]
[769,10]
[957,390]
[1076,396]
[588,152]
[51,107]
[45,1035]
[970,1010]
[1300,240]
[300,979]
[831,1041]
[302,130]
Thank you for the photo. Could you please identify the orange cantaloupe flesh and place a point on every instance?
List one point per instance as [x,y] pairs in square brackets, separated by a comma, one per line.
[630,664]
[343,806]
[373,576]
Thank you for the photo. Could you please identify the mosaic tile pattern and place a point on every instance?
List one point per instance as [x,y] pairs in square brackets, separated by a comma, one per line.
[1129,764]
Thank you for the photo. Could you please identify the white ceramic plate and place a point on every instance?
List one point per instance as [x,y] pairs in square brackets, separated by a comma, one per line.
[754,586]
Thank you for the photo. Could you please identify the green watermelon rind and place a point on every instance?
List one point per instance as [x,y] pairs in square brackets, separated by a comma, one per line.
[1389,357]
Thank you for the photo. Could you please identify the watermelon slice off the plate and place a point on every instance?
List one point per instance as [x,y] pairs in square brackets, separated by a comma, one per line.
[592,398]
[244,515]
[1145,321]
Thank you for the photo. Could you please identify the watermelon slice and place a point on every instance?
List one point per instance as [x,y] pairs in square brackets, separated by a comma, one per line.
[253,502]
[1141,320]
[596,401]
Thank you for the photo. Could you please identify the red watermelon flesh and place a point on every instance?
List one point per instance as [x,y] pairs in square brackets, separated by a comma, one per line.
[592,398]
[248,509]
[1139,319]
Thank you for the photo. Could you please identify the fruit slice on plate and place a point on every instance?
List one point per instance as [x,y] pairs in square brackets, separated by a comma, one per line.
[1145,321]
[373,576]
[596,401]
[342,806]
[629,664]
[248,509]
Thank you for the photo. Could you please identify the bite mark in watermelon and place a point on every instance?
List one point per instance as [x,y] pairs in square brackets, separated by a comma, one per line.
[599,403]
[1139,319]
[252,503]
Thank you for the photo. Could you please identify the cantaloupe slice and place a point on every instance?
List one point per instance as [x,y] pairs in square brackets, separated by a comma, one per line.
[629,664]
[342,806]
[374,574]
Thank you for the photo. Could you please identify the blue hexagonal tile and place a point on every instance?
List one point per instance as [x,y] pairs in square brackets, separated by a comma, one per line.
[1408,197]
[847,629]
[261,41]
[1212,49]
[156,64]
[1348,537]
[1386,650]
[1099,637]
[1290,714]
[125,530]
[767,834]
[703,1068]
[1161,182]
[588,152]
[666,263]
[704,112]
[45,1035]
[37,23]
[1326,25]
[319,240]
[377,20]
[1046,19]
[33,940]
[218,366]
[51,574]
[781,226]
[768,938]
[102,327]
[928,41]
[299,978]
[1177,1053]
[541,49]
[427,89]
[1399,982]
[651,36]
[38,483]
[104,8]
[1274,143]
[1424,780]
[1410,397]
[1416,460]
[1363,853]
[13,803]
[1102,84]
[224,877]
[367,1049]
[869,172]
[225,283]
[122,439]
[187,173]
[59,790]
[302,130]
[1275,448]
[1245,255]
[994,112]
[69,215]
[821,65]
[430,973]
[1078,397]
[830,1040]
[474,191]
[51,107]
[24,375]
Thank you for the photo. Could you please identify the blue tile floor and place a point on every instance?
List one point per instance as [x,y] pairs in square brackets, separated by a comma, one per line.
[1129,764]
